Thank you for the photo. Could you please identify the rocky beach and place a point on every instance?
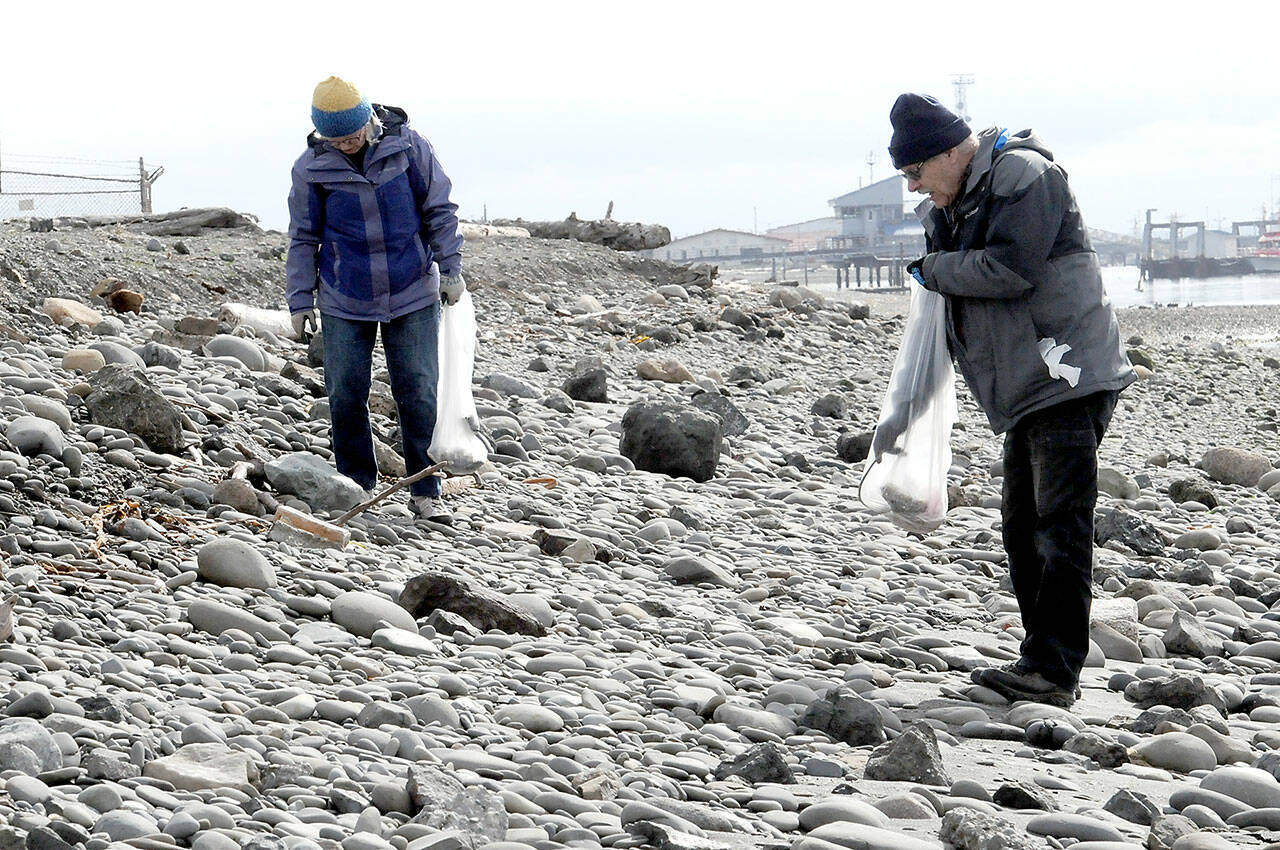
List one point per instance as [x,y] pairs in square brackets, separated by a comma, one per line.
[593,655]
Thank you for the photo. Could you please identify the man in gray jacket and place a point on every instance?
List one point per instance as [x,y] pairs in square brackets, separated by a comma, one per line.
[1032,331]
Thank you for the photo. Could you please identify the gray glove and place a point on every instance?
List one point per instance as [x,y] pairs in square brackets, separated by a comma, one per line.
[300,320]
[451,287]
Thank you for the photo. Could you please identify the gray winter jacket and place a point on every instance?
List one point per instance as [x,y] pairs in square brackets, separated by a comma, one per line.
[1028,322]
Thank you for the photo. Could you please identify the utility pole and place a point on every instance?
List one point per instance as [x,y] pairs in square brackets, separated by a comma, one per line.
[872,159]
[962,82]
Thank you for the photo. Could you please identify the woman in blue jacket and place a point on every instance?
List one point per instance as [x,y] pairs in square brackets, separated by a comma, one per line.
[374,245]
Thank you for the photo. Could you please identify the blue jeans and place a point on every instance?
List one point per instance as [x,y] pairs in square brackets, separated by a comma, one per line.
[410,346]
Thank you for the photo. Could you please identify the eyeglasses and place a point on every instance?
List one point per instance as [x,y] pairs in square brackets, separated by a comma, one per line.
[912,172]
[355,138]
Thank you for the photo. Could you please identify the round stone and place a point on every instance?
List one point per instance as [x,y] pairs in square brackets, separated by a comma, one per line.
[234,563]
[1176,751]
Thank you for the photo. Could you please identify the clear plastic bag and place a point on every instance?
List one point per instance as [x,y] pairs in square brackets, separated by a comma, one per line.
[906,474]
[456,439]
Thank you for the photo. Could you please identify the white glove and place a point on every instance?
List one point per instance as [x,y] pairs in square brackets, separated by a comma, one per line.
[451,288]
[300,320]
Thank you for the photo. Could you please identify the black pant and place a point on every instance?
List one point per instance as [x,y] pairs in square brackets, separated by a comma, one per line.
[1050,488]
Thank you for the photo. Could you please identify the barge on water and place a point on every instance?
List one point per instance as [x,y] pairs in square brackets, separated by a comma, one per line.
[1264,258]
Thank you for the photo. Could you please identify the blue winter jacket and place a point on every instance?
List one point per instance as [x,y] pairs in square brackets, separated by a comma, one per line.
[375,243]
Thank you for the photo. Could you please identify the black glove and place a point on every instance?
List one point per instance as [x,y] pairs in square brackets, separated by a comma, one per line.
[915,268]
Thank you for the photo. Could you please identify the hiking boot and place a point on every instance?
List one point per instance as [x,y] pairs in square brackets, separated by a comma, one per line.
[431,509]
[1017,668]
[1025,685]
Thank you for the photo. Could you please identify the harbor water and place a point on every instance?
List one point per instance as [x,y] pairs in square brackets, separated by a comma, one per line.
[1122,287]
[1121,283]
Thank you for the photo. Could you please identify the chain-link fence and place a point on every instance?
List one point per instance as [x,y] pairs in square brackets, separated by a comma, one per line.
[48,187]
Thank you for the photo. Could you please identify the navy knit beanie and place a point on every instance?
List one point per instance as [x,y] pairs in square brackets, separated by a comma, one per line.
[923,128]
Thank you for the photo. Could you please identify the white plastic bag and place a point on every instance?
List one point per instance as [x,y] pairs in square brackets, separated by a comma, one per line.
[907,476]
[456,439]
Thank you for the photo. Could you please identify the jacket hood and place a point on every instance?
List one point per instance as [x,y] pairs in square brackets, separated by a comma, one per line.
[392,118]
[984,158]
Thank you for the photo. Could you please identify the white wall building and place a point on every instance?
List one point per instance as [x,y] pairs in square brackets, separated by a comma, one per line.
[808,235]
[718,244]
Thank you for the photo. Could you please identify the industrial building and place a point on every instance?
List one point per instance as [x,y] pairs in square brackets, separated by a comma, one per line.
[719,244]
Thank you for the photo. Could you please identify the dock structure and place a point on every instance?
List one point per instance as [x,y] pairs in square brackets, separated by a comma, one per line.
[849,270]
[881,272]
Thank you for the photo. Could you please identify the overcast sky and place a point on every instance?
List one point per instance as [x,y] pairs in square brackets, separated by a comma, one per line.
[694,115]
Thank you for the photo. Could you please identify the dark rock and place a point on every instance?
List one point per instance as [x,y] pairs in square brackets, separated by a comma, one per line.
[44,838]
[1197,573]
[745,376]
[1270,762]
[157,354]
[847,717]
[1138,357]
[1023,795]
[831,406]
[689,518]
[123,397]
[1049,734]
[1133,807]
[449,623]
[1106,752]
[852,448]
[737,318]
[589,385]
[1180,690]
[1192,490]
[691,569]
[732,421]
[1128,529]
[315,350]
[1147,721]
[763,762]
[101,708]
[1167,829]
[797,460]
[671,439]
[912,757]
[1186,635]
[485,609]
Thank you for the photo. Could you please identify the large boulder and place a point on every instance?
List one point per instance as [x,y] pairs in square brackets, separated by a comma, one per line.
[203,767]
[1230,465]
[587,385]
[483,608]
[731,419]
[33,435]
[123,397]
[312,479]
[672,439]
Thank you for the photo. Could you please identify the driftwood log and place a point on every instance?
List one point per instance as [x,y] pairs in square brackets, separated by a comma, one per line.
[619,235]
[188,222]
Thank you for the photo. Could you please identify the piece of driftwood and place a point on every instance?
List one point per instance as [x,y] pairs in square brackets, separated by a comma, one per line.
[619,235]
[188,222]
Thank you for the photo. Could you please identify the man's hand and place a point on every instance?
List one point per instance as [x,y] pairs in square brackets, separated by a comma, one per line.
[300,320]
[915,268]
[451,287]
[888,433]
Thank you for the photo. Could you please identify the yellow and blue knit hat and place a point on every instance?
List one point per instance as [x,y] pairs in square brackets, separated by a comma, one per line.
[338,109]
